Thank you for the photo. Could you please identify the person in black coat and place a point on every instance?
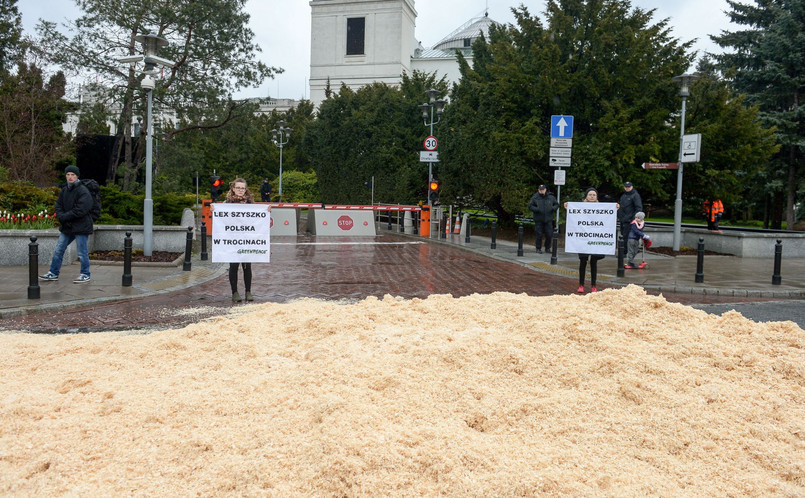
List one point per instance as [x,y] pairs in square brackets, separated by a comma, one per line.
[75,223]
[543,204]
[265,191]
[630,204]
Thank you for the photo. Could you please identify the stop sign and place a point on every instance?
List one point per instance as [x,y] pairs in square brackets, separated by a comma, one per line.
[345,222]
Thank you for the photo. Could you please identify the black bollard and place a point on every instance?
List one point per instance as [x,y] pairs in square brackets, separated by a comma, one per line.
[554,245]
[494,235]
[777,279]
[127,260]
[520,240]
[187,248]
[444,223]
[204,254]
[467,231]
[33,267]
[388,216]
[700,262]
[400,221]
[416,219]
[620,251]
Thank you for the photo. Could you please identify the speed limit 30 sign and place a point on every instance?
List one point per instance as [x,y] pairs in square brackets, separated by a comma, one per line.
[431,143]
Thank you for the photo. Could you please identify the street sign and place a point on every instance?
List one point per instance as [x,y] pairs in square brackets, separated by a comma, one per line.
[691,148]
[660,165]
[560,161]
[560,152]
[561,126]
[561,142]
[431,143]
[559,176]
[428,156]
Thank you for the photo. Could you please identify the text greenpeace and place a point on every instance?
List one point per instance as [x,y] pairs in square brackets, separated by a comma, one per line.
[240,233]
[591,227]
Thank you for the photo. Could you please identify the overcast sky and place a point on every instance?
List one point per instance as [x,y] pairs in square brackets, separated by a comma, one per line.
[282,28]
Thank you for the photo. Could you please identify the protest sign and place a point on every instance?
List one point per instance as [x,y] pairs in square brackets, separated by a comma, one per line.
[591,227]
[240,233]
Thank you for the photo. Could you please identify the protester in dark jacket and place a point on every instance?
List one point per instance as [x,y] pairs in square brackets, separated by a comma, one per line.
[75,223]
[590,195]
[630,204]
[543,204]
[239,193]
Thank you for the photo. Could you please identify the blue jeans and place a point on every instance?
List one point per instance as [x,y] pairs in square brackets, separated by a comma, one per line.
[61,246]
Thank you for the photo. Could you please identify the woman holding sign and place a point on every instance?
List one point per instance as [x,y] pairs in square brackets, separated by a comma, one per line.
[239,193]
[591,195]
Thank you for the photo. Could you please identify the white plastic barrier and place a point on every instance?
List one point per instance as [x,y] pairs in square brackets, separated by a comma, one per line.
[284,221]
[335,222]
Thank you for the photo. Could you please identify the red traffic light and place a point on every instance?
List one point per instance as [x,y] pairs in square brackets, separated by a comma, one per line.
[218,182]
[433,186]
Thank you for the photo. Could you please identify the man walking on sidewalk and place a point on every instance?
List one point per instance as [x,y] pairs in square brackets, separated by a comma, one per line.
[75,223]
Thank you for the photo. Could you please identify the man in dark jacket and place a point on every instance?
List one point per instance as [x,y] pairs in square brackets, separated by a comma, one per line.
[543,204]
[265,191]
[75,223]
[629,205]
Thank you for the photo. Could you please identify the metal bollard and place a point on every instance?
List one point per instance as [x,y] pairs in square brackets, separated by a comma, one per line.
[520,240]
[187,249]
[621,271]
[388,217]
[400,221]
[446,226]
[416,219]
[467,231]
[204,254]
[494,235]
[554,245]
[700,262]
[33,267]
[127,260]
[776,278]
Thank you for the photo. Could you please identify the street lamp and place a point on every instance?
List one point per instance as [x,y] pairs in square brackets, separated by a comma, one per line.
[280,138]
[434,103]
[151,44]
[684,81]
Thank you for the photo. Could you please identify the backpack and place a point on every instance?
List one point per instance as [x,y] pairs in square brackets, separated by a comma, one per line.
[95,191]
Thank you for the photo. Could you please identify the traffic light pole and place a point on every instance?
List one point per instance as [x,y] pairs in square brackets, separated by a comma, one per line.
[148,203]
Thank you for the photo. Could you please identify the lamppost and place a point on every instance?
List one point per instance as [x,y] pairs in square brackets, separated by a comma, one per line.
[151,44]
[281,135]
[434,103]
[684,81]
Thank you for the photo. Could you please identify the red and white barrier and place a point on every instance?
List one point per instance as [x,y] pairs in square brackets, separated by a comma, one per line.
[340,222]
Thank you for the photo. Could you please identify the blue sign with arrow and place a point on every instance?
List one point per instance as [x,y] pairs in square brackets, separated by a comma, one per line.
[561,126]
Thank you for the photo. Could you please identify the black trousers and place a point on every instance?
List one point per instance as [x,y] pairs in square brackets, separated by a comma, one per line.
[593,267]
[247,276]
[544,228]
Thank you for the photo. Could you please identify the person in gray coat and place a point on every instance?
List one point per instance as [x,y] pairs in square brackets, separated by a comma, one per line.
[543,204]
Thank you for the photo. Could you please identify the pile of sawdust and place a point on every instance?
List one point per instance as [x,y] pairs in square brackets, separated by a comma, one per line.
[617,392]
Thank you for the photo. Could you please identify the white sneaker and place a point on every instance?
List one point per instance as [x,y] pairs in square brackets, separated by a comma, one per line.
[81,279]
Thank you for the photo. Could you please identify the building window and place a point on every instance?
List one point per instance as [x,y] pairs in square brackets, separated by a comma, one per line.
[467,42]
[356,28]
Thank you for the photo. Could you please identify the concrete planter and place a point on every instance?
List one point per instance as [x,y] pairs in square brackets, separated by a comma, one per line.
[14,243]
[741,244]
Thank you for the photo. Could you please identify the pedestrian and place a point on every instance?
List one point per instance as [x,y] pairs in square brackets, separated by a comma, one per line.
[712,212]
[265,191]
[239,193]
[590,195]
[630,203]
[635,236]
[543,204]
[73,208]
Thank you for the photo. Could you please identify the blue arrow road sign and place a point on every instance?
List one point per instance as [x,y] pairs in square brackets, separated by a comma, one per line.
[561,126]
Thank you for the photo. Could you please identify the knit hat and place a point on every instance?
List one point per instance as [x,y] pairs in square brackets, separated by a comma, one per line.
[591,189]
[72,169]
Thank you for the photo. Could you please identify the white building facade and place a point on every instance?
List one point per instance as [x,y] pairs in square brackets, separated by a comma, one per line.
[359,42]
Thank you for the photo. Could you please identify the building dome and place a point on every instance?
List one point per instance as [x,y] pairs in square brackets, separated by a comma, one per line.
[461,39]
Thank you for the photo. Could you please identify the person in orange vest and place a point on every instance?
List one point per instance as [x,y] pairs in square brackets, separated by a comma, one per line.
[712,212]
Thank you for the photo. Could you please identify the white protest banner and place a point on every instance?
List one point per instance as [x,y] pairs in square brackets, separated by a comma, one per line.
[240,233]
[591,227]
